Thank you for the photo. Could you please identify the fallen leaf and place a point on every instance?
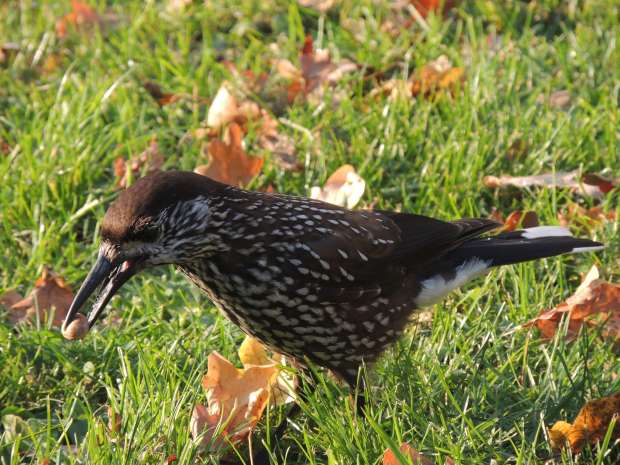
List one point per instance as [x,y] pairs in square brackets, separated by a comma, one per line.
[321,6]
[225,109]
[519,220]
[282,389]
[344,187]
[236,399]
[162,98]
[281,146]
[229,162]
[318,72]
[177,6]
[586,185]
[559,99]
[437,76]
[149,161]
[5,148]
[595,303]
[83,18]
[115,421]
[426,7]
[585,218]
[389,457]
[590,426]
[50,292]
[252,352]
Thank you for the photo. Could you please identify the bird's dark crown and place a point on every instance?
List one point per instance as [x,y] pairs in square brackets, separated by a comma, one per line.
[130,214]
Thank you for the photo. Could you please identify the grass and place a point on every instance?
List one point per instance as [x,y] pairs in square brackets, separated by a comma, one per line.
[467,386]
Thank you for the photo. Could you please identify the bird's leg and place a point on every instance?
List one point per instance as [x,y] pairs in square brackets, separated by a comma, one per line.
[306,378]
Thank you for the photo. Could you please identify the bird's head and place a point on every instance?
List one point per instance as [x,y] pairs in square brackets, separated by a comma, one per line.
[161,219]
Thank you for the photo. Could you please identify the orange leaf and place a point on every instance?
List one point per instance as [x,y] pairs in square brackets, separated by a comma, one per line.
[389,457]
[437,76]
[50,292]
[595,303]
[236,399]
[519,219]
[229,162]
[425,7]
[589,427]
[344,187]
[83,18]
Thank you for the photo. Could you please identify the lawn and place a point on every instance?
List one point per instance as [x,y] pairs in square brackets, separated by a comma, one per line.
[466,382]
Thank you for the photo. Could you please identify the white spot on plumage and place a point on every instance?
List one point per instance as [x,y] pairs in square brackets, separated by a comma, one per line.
[436,287]
[545,231]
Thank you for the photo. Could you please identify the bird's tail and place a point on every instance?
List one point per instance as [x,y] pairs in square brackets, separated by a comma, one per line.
[524,245]
[476,256]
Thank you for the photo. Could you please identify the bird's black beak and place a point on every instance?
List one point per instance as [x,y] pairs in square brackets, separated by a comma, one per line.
[108,277]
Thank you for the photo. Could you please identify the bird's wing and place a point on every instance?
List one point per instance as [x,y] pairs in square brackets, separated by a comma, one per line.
[375,250]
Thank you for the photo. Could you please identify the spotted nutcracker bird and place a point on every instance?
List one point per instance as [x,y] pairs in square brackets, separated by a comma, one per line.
[311,280]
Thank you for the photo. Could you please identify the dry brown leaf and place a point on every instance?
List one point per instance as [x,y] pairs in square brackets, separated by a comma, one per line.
[595,303]
[591,185]
[229,162]
[389,457]
[559,99]
[437,76]
[281,146]
[149,161]
[344,187]
[83,18]
[321,6]
[225,109]
[115,421]
[318,72]
[50,292]
[583,218]
[236,399]
[590,426]
[162,98]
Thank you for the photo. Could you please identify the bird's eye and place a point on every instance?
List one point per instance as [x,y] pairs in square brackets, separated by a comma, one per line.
[145,233]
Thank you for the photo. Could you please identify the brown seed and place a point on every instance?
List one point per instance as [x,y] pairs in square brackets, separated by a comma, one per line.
[77,329]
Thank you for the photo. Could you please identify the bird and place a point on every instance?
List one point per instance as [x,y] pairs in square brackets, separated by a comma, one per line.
[316,282]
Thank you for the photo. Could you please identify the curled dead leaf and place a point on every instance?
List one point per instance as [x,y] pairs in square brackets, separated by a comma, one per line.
[595,303]
[229,162]
[586,185]
[50,293]
[590,426]
[519,219]
[252,352]
[344,187]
